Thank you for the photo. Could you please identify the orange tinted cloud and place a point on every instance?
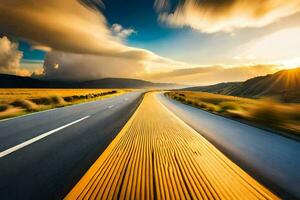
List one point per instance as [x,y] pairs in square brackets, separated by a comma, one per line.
[73,27]
[226,15]
[10,58]
[213,74]
[70,66]
[67,25]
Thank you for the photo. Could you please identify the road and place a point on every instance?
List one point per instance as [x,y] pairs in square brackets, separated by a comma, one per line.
[43,155]
[270,158]
[157,156]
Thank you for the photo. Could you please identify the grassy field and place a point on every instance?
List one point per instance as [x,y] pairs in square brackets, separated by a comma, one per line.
[266,112]
[15,102]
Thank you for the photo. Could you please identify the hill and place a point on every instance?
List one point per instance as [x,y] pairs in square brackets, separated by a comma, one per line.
[284,85]
[220,88]
[124,83]
[12,81]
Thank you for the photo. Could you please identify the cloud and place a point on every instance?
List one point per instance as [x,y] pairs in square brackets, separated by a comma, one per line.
[10,58]
[244,57]
[207,75]
[70,25]
[81,46]
[34,67]
[280,45]
[121,32]
[225,15]
[77,29]
[70,66]
[188,71]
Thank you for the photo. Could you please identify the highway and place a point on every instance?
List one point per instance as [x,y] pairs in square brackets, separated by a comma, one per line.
[101,150]
[43,155]
[272,159]
[157,156]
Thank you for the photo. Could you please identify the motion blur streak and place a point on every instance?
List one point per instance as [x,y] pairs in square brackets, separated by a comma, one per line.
[63,25]
[225,15]
[157,156]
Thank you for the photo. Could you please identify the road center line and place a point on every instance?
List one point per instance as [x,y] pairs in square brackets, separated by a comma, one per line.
[156,154]
[32,140]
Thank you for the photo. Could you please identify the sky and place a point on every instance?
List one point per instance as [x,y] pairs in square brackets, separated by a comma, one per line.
[193,42]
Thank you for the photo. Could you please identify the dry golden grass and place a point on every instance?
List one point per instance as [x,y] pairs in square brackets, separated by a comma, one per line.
[9,95]
[14,102]
[266,112]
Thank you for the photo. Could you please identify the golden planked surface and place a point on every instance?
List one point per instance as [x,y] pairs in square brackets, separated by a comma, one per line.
[157,156]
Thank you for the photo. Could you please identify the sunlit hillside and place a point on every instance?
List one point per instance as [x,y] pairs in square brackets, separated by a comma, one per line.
[283,85]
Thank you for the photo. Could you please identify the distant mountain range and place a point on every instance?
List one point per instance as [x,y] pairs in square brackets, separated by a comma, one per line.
[284,85]
[12,81]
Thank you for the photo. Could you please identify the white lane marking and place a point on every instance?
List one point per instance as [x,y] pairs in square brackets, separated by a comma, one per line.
[110,106]
[32,140]
[126,99]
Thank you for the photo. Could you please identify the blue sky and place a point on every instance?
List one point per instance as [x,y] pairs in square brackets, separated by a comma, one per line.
[130,14]
[137,39]
[142,17]
[29,53]
[139,15]
[180,43]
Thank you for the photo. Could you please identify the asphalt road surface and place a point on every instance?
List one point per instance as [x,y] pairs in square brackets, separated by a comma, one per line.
[43,155]
[269,157]
[158,156]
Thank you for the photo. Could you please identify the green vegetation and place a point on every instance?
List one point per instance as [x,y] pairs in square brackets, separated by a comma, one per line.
[267,112]
[15,102]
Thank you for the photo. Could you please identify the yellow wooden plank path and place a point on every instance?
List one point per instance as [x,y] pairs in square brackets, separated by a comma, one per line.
[158,156]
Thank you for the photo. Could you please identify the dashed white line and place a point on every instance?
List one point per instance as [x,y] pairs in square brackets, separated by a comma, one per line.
[110,106]
[32,140]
